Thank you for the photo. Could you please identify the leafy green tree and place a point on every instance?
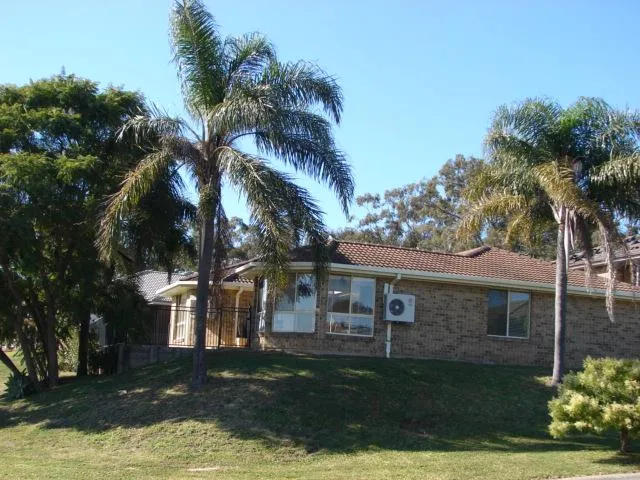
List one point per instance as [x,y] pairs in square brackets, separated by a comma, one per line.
[236,89]
[423,215]
[604,396]
[243,240]
[162,214]
[58,162]
[576,170]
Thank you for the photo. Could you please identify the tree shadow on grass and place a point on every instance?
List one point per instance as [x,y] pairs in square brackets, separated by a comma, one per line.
[628,459]
[335,404]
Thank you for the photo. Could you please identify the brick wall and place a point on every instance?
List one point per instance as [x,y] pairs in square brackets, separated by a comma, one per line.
[451,323]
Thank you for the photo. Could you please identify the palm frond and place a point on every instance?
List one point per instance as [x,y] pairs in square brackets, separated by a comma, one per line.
[247,56]
[152,124]
[583,235]
[496,205]
[523,130]
[619,172]
[302,85]
[198,54]
[304,141]
[136,184]
[284,213]
[558,183]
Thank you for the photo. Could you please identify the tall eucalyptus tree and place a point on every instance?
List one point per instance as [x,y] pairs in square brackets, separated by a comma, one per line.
[236,89]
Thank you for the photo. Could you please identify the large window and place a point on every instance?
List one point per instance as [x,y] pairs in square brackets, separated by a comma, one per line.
[350,305]
[295,308]
[509,313]
[262,305]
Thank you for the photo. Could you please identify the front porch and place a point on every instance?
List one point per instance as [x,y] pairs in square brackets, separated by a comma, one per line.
[225,327]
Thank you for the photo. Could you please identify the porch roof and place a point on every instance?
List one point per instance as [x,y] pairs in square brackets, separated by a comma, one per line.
[232,281]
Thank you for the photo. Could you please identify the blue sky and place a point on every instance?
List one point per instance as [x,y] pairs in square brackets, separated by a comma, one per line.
[420,78]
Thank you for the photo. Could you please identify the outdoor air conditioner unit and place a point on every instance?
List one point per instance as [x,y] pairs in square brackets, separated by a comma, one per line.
[400,308]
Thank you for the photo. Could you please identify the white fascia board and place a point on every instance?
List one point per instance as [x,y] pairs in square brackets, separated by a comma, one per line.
[247,266]
[237,286]
[180,286]
[175,288]
[408,274]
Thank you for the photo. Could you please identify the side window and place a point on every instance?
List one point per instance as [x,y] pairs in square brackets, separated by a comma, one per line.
[509,313]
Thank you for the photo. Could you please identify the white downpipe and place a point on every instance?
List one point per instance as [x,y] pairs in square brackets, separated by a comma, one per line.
[235,320]
[387,290]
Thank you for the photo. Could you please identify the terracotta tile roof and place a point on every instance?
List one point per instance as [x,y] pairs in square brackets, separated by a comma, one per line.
[237,278]
[631,250]
[487,262]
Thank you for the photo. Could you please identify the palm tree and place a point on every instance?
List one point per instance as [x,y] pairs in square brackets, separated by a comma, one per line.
[236,89]
[576,168]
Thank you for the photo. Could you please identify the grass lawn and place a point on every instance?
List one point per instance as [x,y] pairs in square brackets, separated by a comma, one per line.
[280,416]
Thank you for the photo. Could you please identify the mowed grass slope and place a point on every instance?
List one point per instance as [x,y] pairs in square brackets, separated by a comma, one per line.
[282,416]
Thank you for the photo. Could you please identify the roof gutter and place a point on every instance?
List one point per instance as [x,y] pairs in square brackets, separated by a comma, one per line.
[408,274]
[194,283]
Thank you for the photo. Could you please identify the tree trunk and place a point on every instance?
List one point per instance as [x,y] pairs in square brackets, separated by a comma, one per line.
[4,358]
[560,302]
[208,203]
[27,355]
[624,440]
[83,344]
[51,342]
[25,346]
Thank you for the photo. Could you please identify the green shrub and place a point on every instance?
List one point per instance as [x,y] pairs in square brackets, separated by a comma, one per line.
[604,396]
[18,386]
[68,354]
[68,351]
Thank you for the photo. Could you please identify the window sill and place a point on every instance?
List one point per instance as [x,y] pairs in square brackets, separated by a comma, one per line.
[505,338]
[348,335]
[290,333]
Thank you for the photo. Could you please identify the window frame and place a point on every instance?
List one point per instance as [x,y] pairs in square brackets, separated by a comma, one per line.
[509,291]
[359,315]
[263,293]
[295,311]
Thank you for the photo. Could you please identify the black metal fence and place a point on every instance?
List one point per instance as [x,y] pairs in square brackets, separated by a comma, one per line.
[225,327]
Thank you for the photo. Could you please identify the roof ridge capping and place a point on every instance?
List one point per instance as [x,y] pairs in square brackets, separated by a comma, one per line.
[397,247]
[474,252]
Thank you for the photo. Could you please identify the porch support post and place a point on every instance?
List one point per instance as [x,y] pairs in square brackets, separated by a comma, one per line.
[235,320]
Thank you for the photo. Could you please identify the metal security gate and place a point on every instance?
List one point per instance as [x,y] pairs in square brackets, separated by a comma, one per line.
[228,327]
[225,327]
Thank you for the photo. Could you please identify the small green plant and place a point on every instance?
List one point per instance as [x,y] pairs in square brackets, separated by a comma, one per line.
[17,386]
[604,396]
[68,353]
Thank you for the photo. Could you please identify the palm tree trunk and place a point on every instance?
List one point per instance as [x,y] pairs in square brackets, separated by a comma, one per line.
[208,203]
[560,302]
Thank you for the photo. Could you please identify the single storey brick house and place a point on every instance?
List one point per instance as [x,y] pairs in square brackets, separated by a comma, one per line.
[482,305]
